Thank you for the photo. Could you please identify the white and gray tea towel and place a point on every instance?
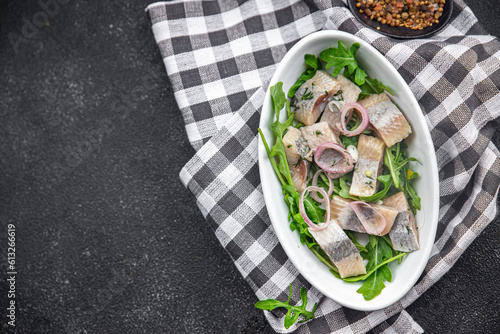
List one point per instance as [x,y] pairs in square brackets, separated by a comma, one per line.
[220,56]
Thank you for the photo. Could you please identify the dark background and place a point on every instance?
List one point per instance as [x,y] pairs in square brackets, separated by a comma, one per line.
[107,238]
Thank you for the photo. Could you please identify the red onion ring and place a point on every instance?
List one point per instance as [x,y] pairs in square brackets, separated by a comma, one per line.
[338,167]
[369,227]
[302,209]
[314,194]
[346,111]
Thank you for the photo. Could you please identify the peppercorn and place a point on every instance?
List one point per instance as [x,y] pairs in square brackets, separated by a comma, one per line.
[414,14]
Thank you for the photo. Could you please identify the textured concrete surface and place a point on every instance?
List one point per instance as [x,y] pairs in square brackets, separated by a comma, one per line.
[107,238]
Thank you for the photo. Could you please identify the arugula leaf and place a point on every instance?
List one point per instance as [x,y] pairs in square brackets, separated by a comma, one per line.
[359,246]
[368,273]
[293,312]
[378,252]
[396,161]
[346,141]
[340,57]
[313,211]
[387,182]
[371,86]
[374,284]
[312,65]
[343,59]
[281,168]
[345,188]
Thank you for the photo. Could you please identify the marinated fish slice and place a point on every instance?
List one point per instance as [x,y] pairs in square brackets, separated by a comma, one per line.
[387,212]
[299,175]
[404,234]
[341,211]
[348,92]
[311,98]
[389,123]
[340,249]
[331,115]
[345,215]
[295,146]
[368,167]
[316,135]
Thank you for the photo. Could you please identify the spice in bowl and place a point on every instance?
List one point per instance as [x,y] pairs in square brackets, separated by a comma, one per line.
[413,14]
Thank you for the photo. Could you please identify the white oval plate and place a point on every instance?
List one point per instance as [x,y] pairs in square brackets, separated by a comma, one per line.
[420,146]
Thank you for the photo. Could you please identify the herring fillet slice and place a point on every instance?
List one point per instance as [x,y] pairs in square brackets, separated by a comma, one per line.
[345,215]
[299,175]
[340,249]
[311,98]
[295,149]
[348,93]
[368,167]
[315,135]
[347,219]
[295,146]
[404,234]
[389,123]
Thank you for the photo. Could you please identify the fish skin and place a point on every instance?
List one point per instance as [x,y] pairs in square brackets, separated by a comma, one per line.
[340,249]
[299,175]
[371,157]
[315,135]
[295,146]
[322,86]
[341,211]
[387,120]
[404,234]
[349,92]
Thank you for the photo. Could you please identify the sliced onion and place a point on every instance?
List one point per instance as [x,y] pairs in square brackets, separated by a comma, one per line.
[302,209]
[343,165]
[373,222]
[314,194]
[346,112]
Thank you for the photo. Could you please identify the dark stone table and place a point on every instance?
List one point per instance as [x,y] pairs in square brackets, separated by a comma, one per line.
[107,238]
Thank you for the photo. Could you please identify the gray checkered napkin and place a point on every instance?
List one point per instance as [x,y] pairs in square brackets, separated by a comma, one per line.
[220,56]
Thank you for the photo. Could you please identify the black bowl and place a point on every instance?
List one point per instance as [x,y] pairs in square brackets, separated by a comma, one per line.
[403,32]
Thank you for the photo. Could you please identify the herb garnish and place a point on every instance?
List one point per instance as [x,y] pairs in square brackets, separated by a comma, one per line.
[293,311]
[341,58]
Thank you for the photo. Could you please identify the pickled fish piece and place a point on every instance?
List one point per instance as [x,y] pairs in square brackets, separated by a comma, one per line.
[340,249]
[311,98]
[368,167]
[345,215]
[376,219]
[347,219]
[404,234]
[299,175]
[295,146]
[389,123]
[331,115]
[348,92]
[389,214]
[316,135]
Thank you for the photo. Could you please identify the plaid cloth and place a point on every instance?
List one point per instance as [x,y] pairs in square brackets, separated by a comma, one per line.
[220,56]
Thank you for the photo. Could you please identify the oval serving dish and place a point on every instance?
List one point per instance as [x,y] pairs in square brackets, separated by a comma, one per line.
[420,146]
